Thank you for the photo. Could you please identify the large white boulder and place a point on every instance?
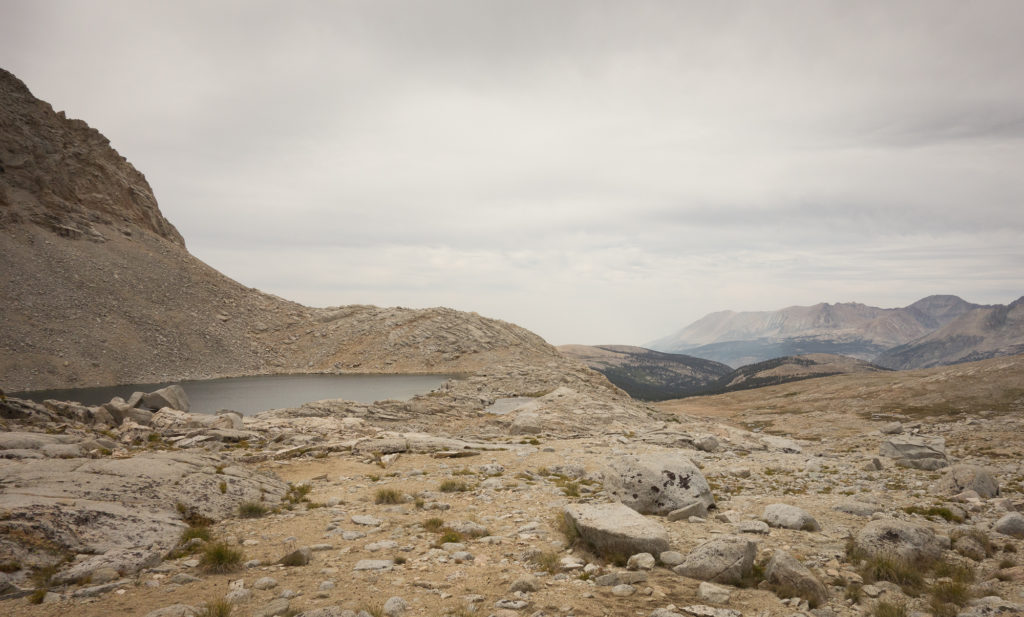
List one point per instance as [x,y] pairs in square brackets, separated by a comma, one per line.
[657,483]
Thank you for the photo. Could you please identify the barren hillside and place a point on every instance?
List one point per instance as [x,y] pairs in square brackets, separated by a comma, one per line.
[99,288]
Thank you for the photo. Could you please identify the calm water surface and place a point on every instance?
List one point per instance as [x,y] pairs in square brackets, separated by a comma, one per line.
[251,395]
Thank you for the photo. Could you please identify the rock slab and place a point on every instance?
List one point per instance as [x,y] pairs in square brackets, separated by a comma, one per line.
[916,452]
[614,529]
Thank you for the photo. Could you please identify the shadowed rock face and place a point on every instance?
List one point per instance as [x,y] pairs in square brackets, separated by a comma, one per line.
[64,175]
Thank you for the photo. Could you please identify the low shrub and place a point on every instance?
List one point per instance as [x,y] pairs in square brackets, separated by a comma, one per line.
[387,496]
[215,608]
[251,509]
[454,486]
[889,609]
[218,558]
[547,561]
[195,531]
[892,568]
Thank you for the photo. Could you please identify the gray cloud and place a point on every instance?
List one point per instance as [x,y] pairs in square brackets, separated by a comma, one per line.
[595,171]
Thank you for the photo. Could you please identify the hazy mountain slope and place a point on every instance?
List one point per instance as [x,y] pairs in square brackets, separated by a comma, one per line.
[645,374]
[99,289]
[791,368]
[849,329]
[838,405]
[984,332]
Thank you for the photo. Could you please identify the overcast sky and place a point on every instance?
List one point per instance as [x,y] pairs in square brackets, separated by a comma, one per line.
[598,172]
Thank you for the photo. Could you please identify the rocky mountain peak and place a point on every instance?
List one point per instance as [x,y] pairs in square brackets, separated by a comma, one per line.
[63,175]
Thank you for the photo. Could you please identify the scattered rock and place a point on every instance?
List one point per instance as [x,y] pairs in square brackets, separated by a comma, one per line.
[374,564]
[696,508]
[710,592]
[395,606]
[789,517]
[960,478]
[724,560]
[264,583]
[299,557]
[641,561]
[174,610]
[1011,524]
[790,576]
[891,428]
[857,508]
[277,606]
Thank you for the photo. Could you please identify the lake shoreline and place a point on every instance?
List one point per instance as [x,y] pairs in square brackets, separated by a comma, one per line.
[251,394]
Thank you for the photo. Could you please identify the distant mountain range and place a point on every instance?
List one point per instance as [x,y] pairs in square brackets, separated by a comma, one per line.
[982,333]
[933,331]
[656,376]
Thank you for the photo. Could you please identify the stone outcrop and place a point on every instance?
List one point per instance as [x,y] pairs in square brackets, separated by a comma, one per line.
[916,452]
[614,529]
[657,483]
[566,411]
[171,396]
[726,560]
[104,507]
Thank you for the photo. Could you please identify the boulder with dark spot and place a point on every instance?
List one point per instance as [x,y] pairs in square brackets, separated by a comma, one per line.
[657,483]
[907,540]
